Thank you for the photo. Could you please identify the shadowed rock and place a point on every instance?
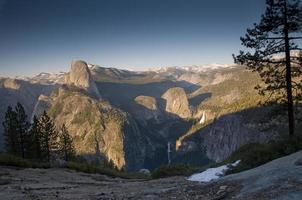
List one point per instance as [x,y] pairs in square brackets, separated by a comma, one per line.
[44,102]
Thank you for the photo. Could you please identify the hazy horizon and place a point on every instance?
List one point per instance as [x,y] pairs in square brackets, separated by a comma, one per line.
[141,69]
[45,36]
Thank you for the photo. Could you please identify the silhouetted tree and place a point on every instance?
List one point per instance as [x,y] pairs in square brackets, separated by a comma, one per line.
[274,53]
[22,126]
[35,139]
[12,144]
[66,148]
[48,136]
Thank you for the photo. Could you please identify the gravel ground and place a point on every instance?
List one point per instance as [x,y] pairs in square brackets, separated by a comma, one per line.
[67,184]
[279,179]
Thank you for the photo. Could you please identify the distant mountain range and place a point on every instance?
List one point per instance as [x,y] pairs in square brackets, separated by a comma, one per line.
[129,117]
[45,77]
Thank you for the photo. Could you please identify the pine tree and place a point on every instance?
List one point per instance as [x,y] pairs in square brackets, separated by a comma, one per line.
[35,139]
[22,126]
[48,136]
[274,53]
[11,138]
[66,147]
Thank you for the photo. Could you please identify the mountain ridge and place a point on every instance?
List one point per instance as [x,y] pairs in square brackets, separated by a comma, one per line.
[142,134]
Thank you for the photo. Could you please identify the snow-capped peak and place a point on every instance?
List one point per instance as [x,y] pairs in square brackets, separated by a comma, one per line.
[191,68]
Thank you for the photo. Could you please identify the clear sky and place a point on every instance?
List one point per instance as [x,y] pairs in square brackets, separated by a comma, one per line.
[41,35]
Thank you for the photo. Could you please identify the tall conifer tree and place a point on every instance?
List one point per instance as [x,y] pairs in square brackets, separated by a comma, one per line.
[48,136]
[274,53]
[22,127]
[12,144]
[66,147]
[35,138]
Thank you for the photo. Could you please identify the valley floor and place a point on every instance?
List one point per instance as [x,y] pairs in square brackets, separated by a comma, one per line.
[279,179]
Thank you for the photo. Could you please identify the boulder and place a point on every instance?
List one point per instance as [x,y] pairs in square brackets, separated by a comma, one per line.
[145,171]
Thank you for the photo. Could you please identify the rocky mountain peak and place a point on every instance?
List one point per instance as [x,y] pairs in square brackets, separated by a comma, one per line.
[177,102]
[11,84]
[80,76]
[147,101]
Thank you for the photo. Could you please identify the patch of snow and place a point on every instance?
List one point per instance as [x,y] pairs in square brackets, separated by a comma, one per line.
[212,173]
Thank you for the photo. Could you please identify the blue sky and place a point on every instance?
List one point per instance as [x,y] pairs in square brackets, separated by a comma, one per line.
[40,35]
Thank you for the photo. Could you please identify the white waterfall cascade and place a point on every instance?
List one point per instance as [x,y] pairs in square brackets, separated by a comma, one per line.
[203,118]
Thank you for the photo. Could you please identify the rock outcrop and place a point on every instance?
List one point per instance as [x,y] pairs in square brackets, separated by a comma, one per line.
[147,101]
[263,182]
[80,76]
[227,134]
[177,102]
[11,84]
[97,128]
[44,102]
[147,108]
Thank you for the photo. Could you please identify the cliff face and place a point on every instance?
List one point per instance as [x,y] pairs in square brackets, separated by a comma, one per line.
[227,134]
[177,102]
[146,108]
[80,76]
[135,144]
[43,103]
[96,127]
[230,103]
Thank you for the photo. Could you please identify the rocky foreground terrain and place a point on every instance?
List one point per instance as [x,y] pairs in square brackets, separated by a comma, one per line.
[279,179]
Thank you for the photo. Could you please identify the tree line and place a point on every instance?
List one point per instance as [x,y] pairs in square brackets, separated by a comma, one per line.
[38,139]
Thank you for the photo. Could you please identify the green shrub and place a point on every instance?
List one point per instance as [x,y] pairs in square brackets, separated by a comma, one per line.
[99,169]
[255,154]
[11,160]
[173,170]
